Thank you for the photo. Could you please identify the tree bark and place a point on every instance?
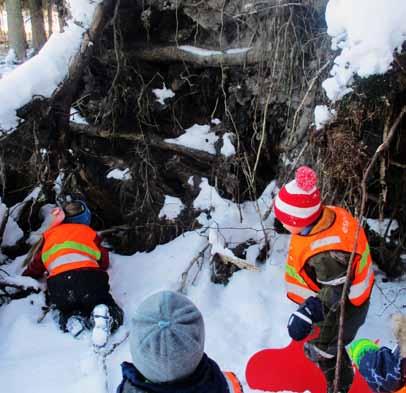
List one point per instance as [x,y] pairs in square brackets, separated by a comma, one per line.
[16,32]
[50,8]
[37,22]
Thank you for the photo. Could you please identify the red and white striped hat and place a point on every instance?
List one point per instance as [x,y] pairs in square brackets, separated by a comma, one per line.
[298,203]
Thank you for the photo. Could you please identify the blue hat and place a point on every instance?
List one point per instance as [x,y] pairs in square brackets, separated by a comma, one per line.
[77,212]
[167,337]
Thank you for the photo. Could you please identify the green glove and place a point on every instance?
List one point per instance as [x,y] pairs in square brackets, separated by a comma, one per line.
[359,348]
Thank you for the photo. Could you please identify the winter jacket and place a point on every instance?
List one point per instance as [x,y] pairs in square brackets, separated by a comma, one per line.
[384,370]
[206,379]
[36,268]
[334,232]
[328,270]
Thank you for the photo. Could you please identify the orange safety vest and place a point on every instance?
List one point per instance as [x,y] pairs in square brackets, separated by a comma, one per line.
[338,237]
[401,390]
[234,385]
[68,247]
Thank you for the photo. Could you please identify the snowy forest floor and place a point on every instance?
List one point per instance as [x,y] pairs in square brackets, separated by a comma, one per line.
[4,67]
[248,314]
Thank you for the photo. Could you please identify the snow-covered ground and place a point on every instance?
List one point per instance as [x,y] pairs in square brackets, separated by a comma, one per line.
[247,315]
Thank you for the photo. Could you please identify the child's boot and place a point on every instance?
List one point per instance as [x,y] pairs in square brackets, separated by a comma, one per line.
[101,325]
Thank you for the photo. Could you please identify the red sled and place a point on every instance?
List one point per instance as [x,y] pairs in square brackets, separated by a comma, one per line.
[288,369]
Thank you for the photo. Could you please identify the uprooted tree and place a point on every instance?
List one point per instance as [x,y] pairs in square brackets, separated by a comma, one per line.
[261,78]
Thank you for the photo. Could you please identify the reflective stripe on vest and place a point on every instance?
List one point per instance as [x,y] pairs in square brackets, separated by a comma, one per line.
[234,385]
[68,247]
[70,259]
[300,291]
[338,237]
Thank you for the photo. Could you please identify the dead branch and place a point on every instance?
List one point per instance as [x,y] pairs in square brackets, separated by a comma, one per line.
[385,144]
[169,54]
[151,140]
[10,291]
[241,263]
[185,274]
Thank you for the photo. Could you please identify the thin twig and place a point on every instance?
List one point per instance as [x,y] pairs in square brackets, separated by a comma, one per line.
[184,276]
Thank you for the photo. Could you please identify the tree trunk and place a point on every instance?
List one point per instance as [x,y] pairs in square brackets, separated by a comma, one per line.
[37,22]
[60,7]
[16,31]
[50,8]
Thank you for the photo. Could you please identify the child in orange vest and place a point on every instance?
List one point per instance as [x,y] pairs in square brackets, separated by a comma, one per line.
[383,369]
[78,285]
[321,244]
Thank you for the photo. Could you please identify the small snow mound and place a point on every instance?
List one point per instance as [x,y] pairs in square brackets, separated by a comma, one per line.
[119,174]
[198,137]
[172,208]
[228,148]
[323,115]
[76,117]
[163,94]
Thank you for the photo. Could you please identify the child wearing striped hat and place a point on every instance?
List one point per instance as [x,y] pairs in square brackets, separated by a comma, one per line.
[323,238]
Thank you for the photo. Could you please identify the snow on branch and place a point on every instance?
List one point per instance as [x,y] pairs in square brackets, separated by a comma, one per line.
[43,73]
[367,33]
[16,287]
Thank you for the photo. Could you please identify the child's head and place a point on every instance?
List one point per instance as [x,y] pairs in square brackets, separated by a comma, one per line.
[77,212]
[167,337]
[298,203]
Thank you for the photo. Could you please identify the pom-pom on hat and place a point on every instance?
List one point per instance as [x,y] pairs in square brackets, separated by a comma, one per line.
[298,203]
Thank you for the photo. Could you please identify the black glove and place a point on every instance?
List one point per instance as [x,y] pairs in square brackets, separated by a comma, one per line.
[301,321]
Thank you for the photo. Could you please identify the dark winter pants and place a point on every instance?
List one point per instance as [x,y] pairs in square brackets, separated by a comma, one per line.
[327,343]
[77,292]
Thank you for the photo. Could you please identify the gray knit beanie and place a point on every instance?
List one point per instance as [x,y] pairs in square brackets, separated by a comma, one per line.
[167,337]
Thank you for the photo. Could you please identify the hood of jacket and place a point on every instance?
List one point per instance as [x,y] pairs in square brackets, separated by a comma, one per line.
[207,378]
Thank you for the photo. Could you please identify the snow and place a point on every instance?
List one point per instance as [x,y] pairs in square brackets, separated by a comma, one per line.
[197,137]
[367,32]
[237,51]
[16,210]
[12,232]
[247,315]
[163,94]
[380,227]
[215,121]
[207,52]
[322,116]
[200,51]
[76,117]
[7,63]
[172,208]
[119,174]
[228,148]
[42,74]
[45,213]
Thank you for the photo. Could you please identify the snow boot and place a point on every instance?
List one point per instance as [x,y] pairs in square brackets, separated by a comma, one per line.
[75,325]
[101,325]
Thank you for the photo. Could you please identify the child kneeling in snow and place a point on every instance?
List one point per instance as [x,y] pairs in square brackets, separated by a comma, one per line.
[78,285]
[167,348]
[383,369]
